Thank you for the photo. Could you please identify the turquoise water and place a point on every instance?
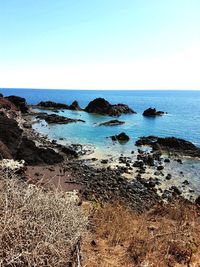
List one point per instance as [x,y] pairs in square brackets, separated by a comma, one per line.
[182,120]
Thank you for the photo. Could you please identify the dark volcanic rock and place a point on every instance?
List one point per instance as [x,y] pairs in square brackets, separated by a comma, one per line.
[111,123]
[7,105]
[146,158]
[104,161]
[175,190]
[70,151]
[106,185]
[122,137]
[170,144]
[52,105]
[4,151]
[197,201]
[34,155]
[160,168]
[19,102]
[152,112]
[1,95]
[75,106]
[19,147]
[169,176]
[10,133]
[103,107]
[138,164]
[54,118]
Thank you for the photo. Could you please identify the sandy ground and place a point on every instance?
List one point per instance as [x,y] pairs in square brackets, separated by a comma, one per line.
[54,175]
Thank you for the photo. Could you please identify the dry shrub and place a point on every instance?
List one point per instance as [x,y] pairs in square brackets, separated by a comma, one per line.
[168,235]
[37,227]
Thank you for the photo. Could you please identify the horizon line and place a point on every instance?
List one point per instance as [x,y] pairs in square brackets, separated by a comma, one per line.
[110,89]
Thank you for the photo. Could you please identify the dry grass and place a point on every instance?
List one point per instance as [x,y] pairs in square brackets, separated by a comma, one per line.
[41,227]
[168,235]
[37,227]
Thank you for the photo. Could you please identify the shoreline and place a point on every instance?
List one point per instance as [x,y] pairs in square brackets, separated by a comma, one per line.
[103,159]
[97,159]
[89,174]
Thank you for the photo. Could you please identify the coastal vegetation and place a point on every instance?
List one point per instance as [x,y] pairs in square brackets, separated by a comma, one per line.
[38,226]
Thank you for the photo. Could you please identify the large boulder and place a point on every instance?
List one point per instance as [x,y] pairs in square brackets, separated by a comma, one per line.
[103,107]
[122,137]
[53,118]
[170,144]
[19,102]
[52,105]
[75,106]
[152,112]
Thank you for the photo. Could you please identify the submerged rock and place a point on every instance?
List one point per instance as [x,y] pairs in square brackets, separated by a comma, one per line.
[103,107]
[54,118]
[122,137]
[111,123]
[152,112]
[19,102]
[170,144]
[52,105]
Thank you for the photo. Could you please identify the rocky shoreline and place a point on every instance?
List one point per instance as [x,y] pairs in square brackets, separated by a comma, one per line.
[19,141]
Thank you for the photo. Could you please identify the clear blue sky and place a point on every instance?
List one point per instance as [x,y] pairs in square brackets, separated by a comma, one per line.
[130,44]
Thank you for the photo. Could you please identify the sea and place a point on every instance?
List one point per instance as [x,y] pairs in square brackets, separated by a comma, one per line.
[182,120]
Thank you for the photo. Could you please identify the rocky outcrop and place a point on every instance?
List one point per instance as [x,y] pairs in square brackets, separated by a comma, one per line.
[122,137]
[151,112]
[52,105]
[103,107]
[14,144]
[7,105]
[1,95]
[19,102]
[34,155]
[111,123]
[53,118]
[10,133]
[75,106]
[170,144]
